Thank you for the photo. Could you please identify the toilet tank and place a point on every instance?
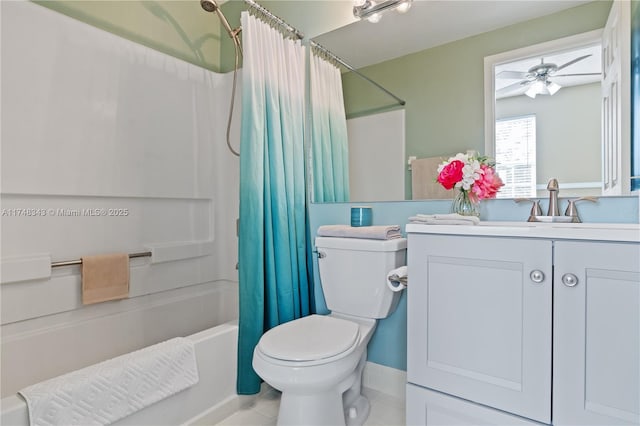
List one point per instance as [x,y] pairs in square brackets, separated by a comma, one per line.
[353,274]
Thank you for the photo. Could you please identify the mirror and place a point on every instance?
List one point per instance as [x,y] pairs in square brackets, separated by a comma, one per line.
[438,68]
[541,102]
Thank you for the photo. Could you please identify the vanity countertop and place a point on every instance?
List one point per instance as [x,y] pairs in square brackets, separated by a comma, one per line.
[621,232]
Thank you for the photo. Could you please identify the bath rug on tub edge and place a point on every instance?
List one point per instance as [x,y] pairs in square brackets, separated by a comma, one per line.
[106,392]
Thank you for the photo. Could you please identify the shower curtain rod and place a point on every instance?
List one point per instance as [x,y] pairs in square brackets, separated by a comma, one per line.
[295,32]
[275,19]
[333,56]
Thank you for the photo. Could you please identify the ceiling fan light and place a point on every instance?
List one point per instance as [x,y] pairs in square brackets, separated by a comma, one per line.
[536,88]
[552,87]
[531,92]
[543,90]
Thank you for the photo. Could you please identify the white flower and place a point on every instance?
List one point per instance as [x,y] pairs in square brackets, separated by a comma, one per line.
[470,172]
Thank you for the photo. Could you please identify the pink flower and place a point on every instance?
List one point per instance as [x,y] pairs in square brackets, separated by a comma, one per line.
[487,185]
[451,174]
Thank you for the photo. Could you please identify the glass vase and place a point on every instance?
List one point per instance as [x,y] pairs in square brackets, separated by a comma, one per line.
[465,205]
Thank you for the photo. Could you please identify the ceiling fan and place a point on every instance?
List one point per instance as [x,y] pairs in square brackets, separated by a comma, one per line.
[537,79]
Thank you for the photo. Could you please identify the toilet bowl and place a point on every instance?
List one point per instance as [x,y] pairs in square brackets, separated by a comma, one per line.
[317,361]
[314,377]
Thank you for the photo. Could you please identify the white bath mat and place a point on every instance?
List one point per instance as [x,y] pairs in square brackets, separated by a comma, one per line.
[103,393]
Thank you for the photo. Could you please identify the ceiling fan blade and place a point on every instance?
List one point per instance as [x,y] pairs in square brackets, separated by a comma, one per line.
[512,74]
[512,88]
[572,62]
[577,75]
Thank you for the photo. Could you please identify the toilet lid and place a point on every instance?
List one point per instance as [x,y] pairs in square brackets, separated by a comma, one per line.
[310,338]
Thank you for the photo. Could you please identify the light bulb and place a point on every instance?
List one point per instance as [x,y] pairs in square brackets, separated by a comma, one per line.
[404,6]
[537,88]
[375,18]
[552,87]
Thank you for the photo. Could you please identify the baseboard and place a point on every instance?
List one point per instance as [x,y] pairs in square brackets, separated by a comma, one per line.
[390,381]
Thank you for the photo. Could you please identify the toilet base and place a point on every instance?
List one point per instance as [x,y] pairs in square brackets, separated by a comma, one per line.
[318,409]
[357,413]
[343,405]
[322,410]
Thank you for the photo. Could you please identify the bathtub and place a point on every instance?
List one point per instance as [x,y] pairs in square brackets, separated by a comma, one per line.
[209,401]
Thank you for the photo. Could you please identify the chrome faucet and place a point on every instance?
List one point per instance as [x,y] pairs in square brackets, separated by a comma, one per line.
[553,213]
[553,189]
[572,209]
[535,209]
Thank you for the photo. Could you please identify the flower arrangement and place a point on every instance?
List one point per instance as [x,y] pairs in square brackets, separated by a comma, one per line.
[474,176]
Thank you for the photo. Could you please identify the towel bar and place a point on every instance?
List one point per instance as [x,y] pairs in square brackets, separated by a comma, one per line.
[79,261]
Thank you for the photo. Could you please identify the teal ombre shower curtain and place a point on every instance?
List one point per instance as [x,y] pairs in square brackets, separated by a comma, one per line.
[328,132]
[274,284]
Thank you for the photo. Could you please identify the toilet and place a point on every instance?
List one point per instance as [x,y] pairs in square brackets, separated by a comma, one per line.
[317,361]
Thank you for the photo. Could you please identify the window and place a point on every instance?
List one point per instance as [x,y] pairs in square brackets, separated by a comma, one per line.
[516,156]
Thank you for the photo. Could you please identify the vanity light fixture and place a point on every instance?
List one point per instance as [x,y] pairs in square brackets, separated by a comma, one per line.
[542,87]
[372,10]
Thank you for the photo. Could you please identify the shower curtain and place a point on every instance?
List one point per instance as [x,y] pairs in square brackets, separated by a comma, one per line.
[328,132]
[273,277]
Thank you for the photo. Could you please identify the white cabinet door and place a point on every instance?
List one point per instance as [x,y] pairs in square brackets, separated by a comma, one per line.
[479,326]
[429,408]
[596,362]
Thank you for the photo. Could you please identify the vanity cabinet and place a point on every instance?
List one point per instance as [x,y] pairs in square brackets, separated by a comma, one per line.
[496,323]
[596,334]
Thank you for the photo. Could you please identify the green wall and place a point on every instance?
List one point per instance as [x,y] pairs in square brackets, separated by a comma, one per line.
[179,28]
[444,86]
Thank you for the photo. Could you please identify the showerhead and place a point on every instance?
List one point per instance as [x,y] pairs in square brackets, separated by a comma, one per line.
[209,5]
[212,6]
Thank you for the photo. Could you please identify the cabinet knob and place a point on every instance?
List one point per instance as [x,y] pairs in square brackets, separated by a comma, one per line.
[536,276]
[570,280]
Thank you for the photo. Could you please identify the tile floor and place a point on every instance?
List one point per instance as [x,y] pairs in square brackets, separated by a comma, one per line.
[385,410]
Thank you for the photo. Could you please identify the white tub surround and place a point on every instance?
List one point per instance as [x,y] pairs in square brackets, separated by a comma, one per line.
[108,147]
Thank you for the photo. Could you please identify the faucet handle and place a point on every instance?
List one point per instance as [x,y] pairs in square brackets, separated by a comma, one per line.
[572,210]
[536,210]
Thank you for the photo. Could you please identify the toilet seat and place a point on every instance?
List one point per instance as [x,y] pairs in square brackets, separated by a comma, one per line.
[311,339]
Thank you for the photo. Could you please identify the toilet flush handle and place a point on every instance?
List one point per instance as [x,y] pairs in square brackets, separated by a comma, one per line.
[321,254]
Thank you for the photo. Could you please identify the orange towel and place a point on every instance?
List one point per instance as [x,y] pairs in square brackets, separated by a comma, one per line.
[105,277]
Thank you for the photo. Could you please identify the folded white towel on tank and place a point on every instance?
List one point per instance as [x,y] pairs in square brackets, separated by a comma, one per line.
[444,219]
[378,232]
[106,392]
